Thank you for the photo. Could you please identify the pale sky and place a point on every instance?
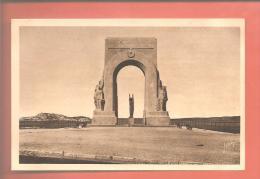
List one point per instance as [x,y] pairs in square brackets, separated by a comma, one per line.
[60,67]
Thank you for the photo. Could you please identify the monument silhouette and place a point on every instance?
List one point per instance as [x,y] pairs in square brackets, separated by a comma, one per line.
[139,52]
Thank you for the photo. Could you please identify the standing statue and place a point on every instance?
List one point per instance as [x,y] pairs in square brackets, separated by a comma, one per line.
[131,106]
[165,98]
[99,96]
[162,98]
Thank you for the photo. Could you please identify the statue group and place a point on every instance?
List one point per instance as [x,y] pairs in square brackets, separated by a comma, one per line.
[99,96]
[99,99]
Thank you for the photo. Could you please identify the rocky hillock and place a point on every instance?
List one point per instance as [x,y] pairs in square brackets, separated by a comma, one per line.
[53,116]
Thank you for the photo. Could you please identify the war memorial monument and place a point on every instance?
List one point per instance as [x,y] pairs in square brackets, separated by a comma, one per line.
[139,52]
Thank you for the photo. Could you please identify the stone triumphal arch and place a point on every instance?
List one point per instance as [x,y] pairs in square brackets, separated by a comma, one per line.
[139,52]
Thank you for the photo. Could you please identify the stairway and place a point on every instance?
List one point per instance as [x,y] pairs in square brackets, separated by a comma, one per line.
[138,122]
[126,122]
[123,122]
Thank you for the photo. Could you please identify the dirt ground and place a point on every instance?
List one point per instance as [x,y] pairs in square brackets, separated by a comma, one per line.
[161,144]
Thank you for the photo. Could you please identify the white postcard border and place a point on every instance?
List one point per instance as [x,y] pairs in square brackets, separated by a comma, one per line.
[15,51]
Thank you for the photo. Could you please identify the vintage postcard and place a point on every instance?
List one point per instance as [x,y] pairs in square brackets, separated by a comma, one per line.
[128,94]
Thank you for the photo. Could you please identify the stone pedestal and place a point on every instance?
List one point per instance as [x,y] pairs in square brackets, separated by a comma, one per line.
[103,118]
[157,118]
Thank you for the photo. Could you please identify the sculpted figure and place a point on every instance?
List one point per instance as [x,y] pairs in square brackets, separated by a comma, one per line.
[131,106]
[165,98]
[99,96]
[162,98]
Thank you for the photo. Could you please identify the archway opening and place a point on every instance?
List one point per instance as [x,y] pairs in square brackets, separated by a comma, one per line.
[130,80]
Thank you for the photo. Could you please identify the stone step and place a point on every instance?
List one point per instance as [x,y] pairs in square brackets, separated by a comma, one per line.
[122,121]
[126,122]
[138,121]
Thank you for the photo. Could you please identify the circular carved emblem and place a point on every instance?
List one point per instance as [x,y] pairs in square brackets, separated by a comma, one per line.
[131,53]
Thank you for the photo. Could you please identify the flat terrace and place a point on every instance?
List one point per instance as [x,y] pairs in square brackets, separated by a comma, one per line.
[130,145]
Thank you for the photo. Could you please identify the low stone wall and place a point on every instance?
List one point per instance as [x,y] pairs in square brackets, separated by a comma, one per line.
[222,124]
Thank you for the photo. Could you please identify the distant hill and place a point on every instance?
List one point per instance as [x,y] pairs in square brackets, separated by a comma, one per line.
[54,117]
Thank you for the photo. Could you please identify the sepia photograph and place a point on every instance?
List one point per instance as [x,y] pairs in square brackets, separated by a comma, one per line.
[128,94]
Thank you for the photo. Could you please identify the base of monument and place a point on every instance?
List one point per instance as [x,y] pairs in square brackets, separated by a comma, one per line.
[103,118]
[157,118]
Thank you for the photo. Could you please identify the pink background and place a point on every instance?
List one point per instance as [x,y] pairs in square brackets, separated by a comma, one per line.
[249,11]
